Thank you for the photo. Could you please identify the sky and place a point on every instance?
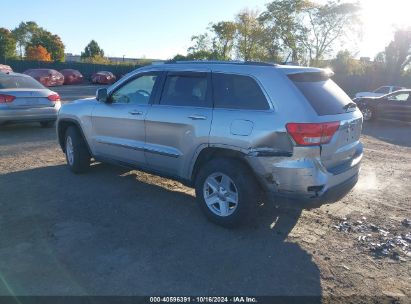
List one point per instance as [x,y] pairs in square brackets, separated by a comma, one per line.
[159,29]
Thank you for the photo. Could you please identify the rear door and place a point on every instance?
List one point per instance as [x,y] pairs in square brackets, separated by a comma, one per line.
[118,126]
[332,104]
[179,122]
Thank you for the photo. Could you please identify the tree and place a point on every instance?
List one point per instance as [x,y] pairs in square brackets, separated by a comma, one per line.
[202,48]
[397,54]
[328,24]
[284,27]
[23,34]
[250,33]
[7,44]
[223,41]
[345,64]
[38,53]
[92,50]
[51,42]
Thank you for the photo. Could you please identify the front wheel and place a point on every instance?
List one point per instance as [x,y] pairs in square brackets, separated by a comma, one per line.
[77,155]
[367,113]
[227,192]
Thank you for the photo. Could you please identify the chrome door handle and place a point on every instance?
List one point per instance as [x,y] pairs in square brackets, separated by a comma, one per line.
[197,117]
[135,112]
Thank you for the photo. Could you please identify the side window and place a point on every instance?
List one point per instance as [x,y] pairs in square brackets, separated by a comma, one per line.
[186,89]
[399,97]
[136,91]
[238,92]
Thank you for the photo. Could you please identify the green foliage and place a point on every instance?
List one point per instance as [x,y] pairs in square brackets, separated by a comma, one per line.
[250,34]
[284,27]
[23,34]
[92,50]
[397,54]
[328,24]
[96,59]
[345,64]
[7,44]
[223,41]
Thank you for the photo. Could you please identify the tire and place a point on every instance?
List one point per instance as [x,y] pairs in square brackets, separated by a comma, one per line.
[367,113]
[212,187]
[47,124]
[77,154]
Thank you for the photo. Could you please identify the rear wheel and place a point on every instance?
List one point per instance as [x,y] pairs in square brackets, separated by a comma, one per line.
[227,192]
[77,155]
[47,124]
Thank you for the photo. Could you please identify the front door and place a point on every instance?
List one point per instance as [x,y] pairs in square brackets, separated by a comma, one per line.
[118,125]
[179,122]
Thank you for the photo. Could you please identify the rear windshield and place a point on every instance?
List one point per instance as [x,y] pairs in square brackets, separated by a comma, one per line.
[19,82]
[324,95]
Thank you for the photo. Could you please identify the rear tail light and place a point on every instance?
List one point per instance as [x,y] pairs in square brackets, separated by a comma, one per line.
[312,134]
[6,98]
[54,97]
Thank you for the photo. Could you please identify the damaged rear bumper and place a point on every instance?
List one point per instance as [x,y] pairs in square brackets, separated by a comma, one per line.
[303,178]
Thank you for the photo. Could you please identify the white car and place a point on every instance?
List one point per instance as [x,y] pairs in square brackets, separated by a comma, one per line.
[379,92]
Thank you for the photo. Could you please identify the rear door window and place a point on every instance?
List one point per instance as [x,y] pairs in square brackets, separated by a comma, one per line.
[237,92]
[324,95]
[186,89]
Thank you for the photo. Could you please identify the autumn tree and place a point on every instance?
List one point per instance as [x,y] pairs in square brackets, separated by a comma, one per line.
[38,53]
[7,44]
[51,42]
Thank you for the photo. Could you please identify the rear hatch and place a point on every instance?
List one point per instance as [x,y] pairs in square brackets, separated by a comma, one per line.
[332,104]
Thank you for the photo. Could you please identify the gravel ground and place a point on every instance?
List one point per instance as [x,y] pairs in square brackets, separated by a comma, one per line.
[118,232]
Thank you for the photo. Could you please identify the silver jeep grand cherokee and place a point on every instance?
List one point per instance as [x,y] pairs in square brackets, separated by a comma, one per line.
[231,130]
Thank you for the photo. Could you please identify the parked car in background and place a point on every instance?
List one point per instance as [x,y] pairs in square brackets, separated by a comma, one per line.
[24,99]
[72,76]
[47,77]
[103,77]
[230,130]
[5,68]
[394,106]
[379,92]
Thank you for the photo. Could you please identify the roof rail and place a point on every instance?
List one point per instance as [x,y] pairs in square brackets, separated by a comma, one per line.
[257,63]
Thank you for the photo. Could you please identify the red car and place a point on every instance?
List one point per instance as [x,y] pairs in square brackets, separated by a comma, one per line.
[46,77]
[5,68]
[72,76]
[103,77]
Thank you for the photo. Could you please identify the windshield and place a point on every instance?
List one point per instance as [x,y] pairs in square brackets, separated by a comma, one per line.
[19,82]
[383,90]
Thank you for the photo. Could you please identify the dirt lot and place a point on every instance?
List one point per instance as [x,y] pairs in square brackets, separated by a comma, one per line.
[118,232]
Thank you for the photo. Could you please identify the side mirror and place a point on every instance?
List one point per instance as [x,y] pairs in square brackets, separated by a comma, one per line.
[102,95]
